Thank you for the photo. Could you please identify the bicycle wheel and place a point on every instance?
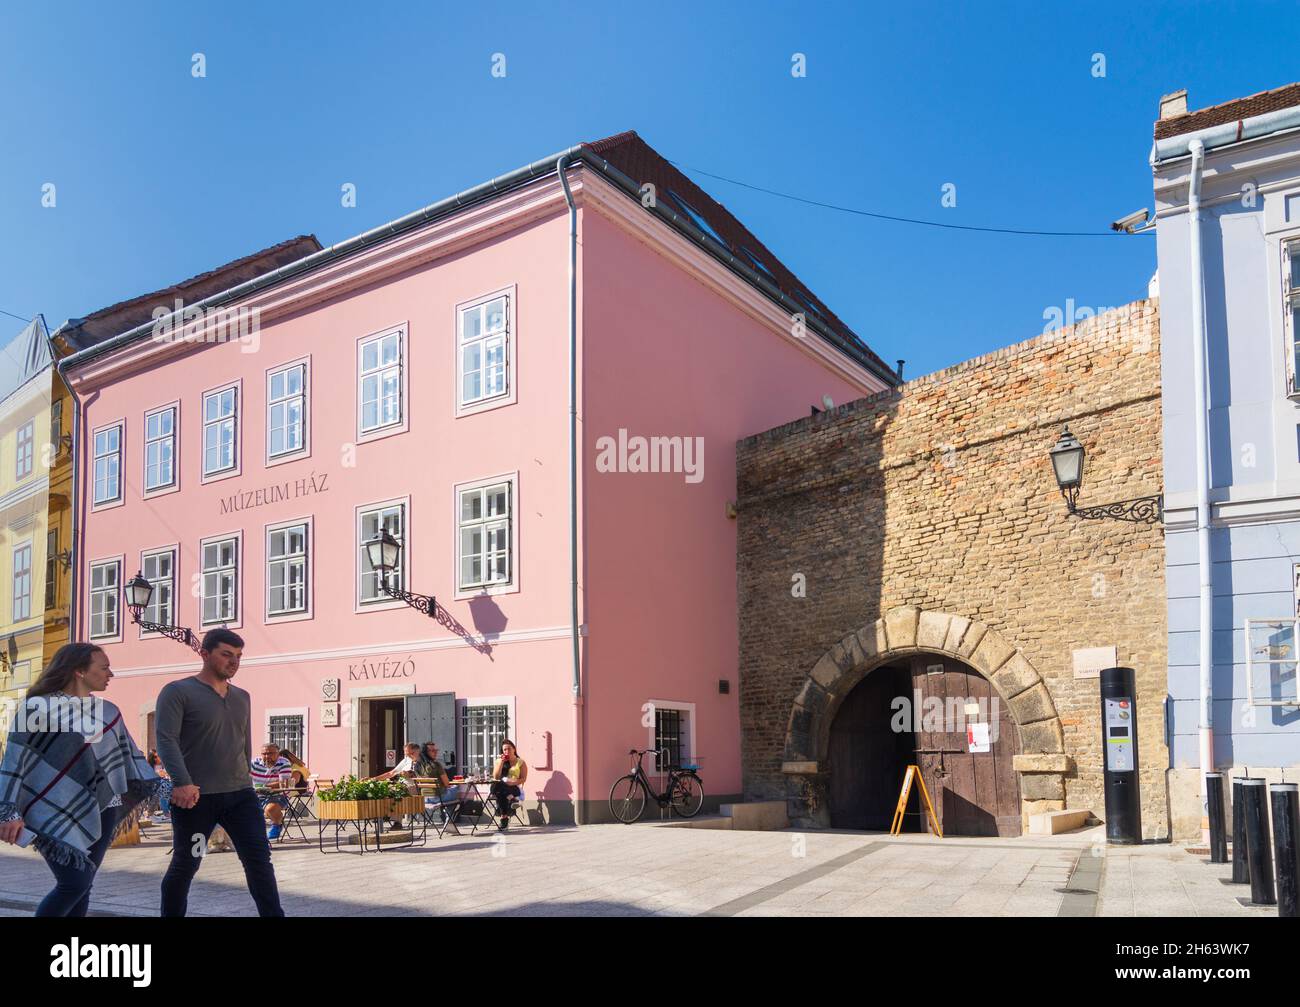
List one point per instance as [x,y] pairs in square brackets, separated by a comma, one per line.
[627,799]
[687,795]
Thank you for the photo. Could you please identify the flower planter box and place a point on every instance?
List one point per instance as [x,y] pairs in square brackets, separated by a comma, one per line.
[355,811]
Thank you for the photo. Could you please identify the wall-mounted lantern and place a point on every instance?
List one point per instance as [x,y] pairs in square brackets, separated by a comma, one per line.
[1067,465]
[138,591]
[385,554]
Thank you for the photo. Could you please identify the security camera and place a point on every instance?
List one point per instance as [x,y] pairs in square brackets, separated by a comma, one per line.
[1133,221]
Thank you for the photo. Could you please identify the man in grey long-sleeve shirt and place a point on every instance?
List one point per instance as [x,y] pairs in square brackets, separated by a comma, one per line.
[205,740]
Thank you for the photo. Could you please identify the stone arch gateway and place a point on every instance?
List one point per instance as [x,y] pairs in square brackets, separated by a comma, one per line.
[1041,765]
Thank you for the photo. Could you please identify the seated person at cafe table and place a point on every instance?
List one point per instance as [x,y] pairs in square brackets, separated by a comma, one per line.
[300,773]
[508,779]
[428,767]
[267,772]
[405,770]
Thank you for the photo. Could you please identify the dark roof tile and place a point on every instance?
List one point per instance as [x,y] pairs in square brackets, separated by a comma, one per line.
[125,315]
[642,163]
[1230,111]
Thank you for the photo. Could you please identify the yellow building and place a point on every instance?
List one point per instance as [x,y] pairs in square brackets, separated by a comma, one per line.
[58,535]
[26,458]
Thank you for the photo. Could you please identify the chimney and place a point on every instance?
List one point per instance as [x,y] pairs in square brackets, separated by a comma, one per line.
[1175,104]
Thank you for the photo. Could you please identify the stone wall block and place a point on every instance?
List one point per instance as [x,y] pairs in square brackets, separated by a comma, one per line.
[957,628]
[1015,677]
[1032,705]
[991,654]
[1054,763]
[900,627]
[1042,787]
[932,630]
[972,638]
[1045,736]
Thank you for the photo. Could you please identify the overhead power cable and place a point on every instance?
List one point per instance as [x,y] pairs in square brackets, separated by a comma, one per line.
[897,219]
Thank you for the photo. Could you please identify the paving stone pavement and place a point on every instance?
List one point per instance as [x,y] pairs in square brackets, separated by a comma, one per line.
[644,870]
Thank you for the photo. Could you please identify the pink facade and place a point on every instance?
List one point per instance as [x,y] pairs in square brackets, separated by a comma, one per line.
[671,344]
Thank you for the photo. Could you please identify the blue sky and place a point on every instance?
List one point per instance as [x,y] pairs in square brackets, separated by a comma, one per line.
[160,175]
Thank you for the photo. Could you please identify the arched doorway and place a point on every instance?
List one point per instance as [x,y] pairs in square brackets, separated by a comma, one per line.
[937,713]
[1035,740]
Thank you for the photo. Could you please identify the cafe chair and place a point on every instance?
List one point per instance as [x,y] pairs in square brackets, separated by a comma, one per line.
[297,811]
[517,809]
[438,811]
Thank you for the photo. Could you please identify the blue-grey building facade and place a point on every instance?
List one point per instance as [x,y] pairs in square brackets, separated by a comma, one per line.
[1227,197]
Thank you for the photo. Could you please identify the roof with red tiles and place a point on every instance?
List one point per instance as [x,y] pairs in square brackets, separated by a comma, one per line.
[1230,111]
[125,315]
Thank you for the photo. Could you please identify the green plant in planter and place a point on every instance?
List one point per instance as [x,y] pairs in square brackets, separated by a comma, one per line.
[349,788]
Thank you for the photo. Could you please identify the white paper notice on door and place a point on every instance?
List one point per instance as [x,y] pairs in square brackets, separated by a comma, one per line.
[977,737]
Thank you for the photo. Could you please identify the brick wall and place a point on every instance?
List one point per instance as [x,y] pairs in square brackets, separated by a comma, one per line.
[941,496]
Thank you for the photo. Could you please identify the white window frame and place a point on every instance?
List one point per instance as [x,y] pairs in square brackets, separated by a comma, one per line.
[671,704]
[91,591]
[383,602]
[402,423]
[1280,662]
[303,451]
[511,393]
[174,437]
[22,471]
[237,456]
[237,619]
[120,498]
[155,616]
[464,703]
[309,571]
[1290,247]
[15,592]
[505,587]
[291,711]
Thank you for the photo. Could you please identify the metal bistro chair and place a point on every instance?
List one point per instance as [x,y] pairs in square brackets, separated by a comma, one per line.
[439,813]
[517,808]
[489,810]
[297,809]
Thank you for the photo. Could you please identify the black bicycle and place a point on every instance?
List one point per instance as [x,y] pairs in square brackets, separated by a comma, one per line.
[683,795]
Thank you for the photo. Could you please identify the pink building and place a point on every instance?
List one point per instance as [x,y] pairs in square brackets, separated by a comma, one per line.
[417,378]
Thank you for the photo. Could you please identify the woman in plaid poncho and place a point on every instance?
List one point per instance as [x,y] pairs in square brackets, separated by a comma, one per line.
[71,774]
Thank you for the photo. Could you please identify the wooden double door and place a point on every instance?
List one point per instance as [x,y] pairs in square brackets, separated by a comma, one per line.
[917,711]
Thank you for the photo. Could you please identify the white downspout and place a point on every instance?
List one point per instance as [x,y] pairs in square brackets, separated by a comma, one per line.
[579,777]
[1205,567]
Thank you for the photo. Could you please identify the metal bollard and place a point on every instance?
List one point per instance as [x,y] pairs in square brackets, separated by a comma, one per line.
[1218,824]
[1240,867]
[1286,829]
[1258,853]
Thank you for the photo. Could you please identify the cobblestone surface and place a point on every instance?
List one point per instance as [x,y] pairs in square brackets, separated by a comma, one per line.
[613,870]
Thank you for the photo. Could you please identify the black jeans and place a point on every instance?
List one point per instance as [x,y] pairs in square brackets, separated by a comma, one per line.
[501,793]
[240,814]
[71,894]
